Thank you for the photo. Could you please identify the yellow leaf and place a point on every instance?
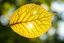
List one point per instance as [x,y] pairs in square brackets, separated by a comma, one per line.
[30,21]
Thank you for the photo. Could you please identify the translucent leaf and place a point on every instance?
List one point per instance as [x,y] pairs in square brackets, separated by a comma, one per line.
[30,21]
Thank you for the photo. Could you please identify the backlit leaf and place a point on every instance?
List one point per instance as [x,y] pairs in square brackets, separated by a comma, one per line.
[30,21]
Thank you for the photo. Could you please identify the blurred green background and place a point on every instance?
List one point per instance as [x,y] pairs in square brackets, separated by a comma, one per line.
[54,35]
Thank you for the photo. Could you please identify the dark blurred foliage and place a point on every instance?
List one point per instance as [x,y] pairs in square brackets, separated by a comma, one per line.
[7,35]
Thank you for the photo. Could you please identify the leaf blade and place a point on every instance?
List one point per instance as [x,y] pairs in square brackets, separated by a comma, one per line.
[33,21]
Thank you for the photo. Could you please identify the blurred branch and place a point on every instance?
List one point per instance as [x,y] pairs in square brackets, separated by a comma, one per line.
[1,26]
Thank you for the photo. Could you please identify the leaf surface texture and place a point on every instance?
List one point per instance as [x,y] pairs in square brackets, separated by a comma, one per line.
[30,21]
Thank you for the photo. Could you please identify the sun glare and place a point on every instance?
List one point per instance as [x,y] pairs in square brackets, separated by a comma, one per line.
[30,25]
[35,12]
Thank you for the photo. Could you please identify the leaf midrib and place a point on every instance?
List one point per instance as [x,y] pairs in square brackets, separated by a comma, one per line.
[28,21]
